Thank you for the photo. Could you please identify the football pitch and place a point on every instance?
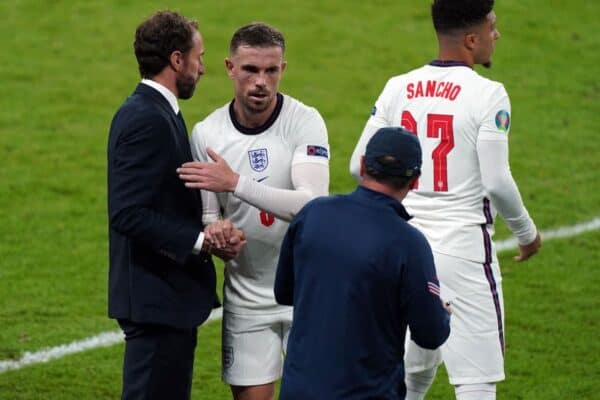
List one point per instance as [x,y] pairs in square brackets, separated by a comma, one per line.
[67,65]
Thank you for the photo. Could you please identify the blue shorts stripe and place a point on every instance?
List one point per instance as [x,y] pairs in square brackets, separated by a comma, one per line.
[489,274]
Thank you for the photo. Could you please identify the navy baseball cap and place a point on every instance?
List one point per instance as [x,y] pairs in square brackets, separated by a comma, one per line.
[394,151]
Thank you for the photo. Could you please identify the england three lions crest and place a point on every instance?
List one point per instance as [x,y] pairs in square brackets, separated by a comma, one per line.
[259,160]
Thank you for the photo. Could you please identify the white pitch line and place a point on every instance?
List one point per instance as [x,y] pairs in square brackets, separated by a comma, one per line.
[110,338]
[560,232]
[103,339]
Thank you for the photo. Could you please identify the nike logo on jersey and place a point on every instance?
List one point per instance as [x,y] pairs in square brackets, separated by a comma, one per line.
[261,179]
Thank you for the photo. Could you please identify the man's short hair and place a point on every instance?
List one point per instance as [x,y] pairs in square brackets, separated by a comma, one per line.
[256,34]
[159,36]
[395,182]
[450,16]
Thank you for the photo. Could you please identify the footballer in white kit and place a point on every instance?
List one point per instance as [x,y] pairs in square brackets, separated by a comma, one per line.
[462,121]
[294,136]
[260,159]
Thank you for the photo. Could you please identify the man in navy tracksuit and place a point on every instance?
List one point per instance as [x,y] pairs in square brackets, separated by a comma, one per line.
[357,274]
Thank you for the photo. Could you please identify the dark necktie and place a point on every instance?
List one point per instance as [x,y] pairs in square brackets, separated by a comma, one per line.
[181,123]
[182,128]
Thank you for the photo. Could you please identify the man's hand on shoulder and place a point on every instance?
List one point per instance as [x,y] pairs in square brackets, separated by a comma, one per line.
[214,176]
[528,250]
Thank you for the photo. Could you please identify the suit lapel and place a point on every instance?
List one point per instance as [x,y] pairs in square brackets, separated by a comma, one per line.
[178,130]
[183,129]
[184,134]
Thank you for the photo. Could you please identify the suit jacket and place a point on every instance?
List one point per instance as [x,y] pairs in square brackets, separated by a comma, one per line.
[154,220]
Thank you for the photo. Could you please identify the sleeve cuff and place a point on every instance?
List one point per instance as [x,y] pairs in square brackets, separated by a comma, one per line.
[242,186]
[198,245]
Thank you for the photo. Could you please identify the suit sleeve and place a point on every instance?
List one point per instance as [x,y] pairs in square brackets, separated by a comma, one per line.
[139,158]
[284,277]
[428,320]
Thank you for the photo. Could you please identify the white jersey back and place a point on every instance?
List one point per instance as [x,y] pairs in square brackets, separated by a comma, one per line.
[296,133]
[449,108]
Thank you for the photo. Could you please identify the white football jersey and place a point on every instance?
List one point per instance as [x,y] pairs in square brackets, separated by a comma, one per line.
[450,108]
[294,134]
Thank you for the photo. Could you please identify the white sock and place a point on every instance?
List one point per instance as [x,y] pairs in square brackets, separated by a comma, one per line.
[417,383]
[477,391]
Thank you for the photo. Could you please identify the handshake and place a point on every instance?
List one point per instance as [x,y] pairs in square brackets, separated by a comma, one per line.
[223,240]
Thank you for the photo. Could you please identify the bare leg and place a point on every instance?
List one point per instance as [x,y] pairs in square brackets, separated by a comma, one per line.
[258,392]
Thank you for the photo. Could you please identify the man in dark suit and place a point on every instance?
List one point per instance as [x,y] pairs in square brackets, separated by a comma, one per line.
[162,279]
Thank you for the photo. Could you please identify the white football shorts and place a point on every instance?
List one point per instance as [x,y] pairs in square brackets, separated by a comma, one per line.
[253,347]
[474,352]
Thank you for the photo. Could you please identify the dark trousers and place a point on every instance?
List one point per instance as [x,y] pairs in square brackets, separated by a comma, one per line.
[158,361]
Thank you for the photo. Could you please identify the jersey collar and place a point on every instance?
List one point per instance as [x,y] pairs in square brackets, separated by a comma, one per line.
[449,63]
[260,129]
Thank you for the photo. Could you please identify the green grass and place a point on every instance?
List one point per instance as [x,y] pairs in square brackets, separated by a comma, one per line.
[67,65]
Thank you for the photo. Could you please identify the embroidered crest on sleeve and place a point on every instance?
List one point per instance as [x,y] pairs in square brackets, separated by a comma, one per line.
[503,120]
[318,151]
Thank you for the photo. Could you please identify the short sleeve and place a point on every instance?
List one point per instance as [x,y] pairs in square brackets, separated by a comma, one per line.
[379,114]
[496,121]
[310,142]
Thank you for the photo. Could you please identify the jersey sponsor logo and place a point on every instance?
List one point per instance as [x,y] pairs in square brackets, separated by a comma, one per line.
[503,120]
[374,110]
[259,159]
[446,90]
[318,151]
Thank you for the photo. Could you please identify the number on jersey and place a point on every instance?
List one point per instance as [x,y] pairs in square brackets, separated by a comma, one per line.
[266,219]
[438,126]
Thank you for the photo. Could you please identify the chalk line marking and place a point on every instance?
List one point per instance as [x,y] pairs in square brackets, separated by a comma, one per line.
[103,339]
[106,339]
[558,233]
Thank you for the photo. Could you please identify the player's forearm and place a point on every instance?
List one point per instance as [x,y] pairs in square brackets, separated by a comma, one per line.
[211,211]
[309,180]
[510,206]
[502,189]
[282,203]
